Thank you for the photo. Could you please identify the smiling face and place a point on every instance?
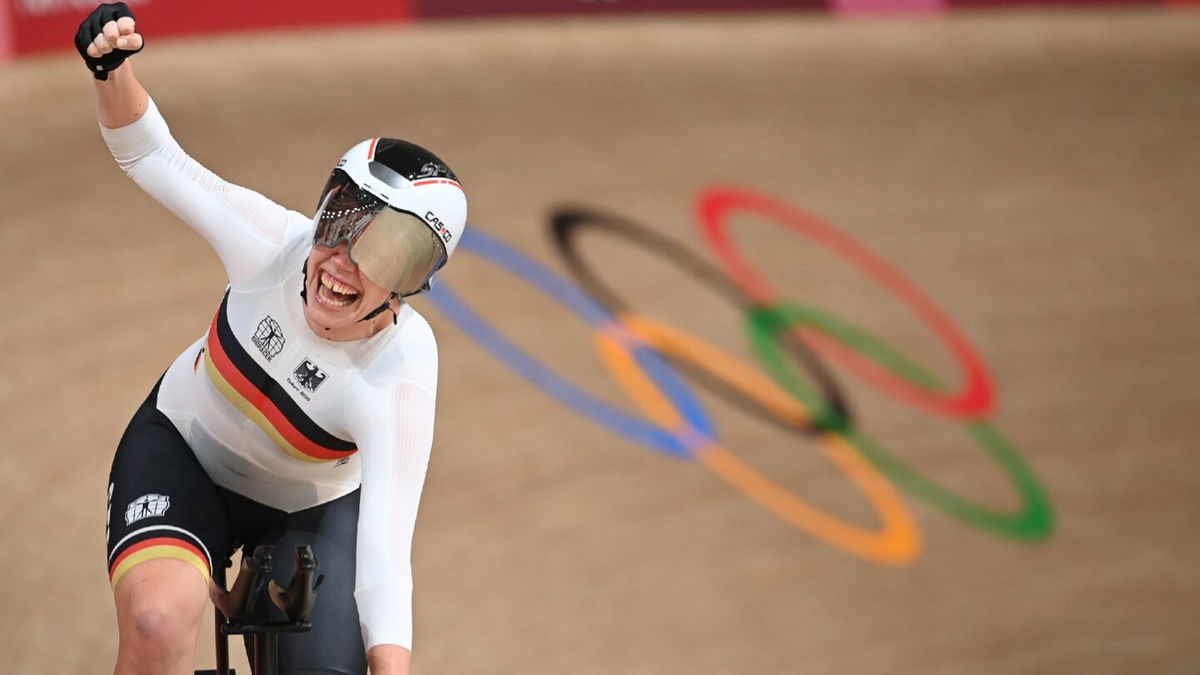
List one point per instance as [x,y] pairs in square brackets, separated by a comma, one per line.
[339,296]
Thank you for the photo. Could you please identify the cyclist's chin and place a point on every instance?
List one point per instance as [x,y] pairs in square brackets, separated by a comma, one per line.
[331,318]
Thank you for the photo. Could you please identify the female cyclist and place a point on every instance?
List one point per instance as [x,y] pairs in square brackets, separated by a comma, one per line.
[303,414]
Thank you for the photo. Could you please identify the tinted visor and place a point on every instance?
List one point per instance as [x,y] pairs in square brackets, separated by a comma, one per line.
[344,211]
[392,248]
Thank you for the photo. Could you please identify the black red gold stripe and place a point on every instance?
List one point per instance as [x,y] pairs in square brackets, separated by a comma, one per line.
[253,391]
[155,549]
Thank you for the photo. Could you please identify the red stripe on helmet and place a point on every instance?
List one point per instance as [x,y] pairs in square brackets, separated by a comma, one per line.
[437,181]
[371,150]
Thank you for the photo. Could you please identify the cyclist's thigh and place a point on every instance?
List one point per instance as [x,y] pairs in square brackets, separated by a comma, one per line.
[161,503]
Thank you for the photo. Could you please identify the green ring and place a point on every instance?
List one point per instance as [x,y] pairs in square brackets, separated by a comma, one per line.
[1035,519]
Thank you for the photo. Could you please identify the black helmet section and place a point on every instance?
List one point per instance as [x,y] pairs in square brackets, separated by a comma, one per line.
[409,160]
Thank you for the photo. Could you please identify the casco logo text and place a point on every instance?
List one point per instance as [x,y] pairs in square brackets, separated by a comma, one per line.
[438,226]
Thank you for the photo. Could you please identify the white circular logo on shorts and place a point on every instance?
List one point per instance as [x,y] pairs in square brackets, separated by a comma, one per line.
[146,506]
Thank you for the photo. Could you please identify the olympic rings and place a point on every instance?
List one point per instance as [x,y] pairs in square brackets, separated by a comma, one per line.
[976,397]
[565,224]
[898,540]
[587,308]
[1034,518]
[646,378]
[632,348]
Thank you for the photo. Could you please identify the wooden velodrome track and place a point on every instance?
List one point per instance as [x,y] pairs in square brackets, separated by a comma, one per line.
[1035,174]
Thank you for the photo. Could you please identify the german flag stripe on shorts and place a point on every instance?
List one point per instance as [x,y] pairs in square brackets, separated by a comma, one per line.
[156,549]
[254,392]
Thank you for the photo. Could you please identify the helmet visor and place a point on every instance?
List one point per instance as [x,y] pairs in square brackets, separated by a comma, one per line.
[398,251]
[344,211]
[392,248]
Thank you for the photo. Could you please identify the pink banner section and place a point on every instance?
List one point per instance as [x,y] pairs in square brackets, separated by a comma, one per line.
[6,32]
[1002,4]
[887,6]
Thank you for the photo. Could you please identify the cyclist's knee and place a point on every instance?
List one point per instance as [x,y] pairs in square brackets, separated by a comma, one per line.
[160,606]
[159,620]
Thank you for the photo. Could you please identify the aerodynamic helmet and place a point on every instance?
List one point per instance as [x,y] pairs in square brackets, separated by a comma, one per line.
[399,208]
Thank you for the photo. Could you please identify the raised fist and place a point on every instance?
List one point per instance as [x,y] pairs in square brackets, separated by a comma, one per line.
[106,38]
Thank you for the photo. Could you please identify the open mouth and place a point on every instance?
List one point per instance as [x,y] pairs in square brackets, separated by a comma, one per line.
[334,293]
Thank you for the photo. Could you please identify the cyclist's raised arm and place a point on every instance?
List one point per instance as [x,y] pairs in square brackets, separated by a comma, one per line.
[245,228]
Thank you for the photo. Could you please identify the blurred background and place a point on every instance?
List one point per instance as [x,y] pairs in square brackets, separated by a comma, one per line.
[979,218]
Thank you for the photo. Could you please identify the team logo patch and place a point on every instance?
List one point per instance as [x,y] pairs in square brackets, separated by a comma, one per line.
[146,506]
[268,338]
[309,375]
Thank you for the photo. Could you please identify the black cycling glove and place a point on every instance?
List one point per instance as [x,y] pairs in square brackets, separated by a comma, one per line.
[92,26]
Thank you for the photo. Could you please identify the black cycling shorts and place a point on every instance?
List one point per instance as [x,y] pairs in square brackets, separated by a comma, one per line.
[162,504]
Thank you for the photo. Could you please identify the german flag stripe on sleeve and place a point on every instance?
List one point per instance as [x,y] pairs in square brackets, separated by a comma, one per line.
[254,392]
[156,549]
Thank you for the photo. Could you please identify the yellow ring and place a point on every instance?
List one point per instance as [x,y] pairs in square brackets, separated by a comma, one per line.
[897,542]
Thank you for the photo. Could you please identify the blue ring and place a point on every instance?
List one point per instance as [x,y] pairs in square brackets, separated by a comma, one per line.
[583,305]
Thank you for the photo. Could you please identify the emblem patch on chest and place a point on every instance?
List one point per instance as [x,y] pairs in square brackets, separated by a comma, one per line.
[268,338]
[308,375]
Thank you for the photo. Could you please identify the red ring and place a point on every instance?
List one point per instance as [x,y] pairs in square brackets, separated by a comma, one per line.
[976,397]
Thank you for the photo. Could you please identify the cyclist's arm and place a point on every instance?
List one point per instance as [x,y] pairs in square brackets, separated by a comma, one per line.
[245,228]
[393,428]
[121,99]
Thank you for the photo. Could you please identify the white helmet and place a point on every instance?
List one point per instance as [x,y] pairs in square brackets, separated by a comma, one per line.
[398,207]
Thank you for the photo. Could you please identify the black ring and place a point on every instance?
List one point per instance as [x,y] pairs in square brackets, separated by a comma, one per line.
[565,222]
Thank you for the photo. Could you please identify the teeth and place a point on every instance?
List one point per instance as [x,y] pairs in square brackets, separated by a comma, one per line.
[344,290]
[330,300]
[336,287]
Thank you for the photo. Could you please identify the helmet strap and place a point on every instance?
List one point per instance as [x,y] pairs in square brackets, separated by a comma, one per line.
[387,305]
